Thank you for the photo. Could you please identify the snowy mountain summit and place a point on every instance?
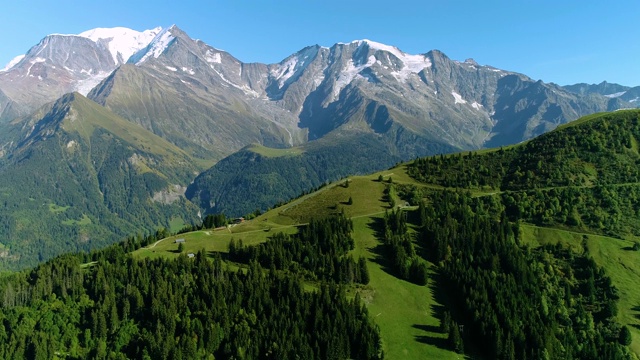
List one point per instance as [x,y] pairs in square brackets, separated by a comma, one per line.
[121,42]
[63,63]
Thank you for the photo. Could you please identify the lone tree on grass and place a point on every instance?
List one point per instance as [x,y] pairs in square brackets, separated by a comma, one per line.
[180,247]
[625,336]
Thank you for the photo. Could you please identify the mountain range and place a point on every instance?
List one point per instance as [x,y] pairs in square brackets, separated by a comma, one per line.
[367,104]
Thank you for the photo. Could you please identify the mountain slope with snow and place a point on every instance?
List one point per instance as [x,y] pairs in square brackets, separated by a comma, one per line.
[63,63]
[204,99]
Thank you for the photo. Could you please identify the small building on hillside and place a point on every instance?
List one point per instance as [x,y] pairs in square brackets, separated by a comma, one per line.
[191,255]
[180,241]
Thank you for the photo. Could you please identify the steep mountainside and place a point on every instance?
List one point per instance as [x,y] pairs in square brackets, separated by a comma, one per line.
[61,64]
[604,88]
[195,96]
[610,90]
[74,176]
[363,85]
[211,104]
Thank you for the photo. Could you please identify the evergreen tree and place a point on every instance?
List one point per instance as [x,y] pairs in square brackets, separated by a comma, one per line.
[625,336]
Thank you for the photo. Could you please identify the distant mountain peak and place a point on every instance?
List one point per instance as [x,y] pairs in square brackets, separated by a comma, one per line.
[12,63]
[157,46]
[122,42]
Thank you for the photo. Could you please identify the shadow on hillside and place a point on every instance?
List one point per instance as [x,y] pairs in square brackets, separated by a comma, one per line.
[437,309]
[438,342]
[436,284]
[628,248]
[428,328]
[379,251]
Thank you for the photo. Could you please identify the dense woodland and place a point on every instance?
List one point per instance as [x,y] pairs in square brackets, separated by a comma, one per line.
[317,252]
[531,303]
[602,151]
[399,250]
[515,302]
[119,307]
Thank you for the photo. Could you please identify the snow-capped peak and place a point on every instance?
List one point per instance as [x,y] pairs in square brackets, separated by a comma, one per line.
[156,47]
[121,40]
[12,63]
[294,65]
[410,64]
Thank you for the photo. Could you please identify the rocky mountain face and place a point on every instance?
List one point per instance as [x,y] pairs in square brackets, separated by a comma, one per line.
[363,86]
[211,104]
[61,64]
[626,94]
[200,98]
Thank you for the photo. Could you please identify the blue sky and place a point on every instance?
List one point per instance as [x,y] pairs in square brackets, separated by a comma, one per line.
[561,41]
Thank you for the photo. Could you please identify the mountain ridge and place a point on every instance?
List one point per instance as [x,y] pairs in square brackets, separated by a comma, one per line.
[76,177]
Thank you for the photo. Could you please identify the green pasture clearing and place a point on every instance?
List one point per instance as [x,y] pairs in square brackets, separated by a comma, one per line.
[273,152]
[405,312]
[175,224]
[84,221]
[365,192]
[209,240]
[56,209]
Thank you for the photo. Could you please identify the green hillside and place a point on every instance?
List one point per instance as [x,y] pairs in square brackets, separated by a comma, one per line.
[533,263]
[580,179]
[258,177]
[82,178]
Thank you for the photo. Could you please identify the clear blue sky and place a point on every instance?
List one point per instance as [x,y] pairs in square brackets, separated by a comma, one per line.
[561,41]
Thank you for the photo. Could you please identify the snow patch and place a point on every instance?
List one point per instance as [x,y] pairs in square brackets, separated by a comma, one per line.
[213,57]
[121,40]
[348,74]
[37,60]
[188,71]
[247,90]
[13,63]
[615,95]
[171,68]
[412,64]
[157,46]
[458,99]
[86,85]
[71,143]
[475,105]
[293,65]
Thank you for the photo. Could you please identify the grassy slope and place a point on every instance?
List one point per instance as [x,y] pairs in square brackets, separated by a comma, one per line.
[403,311]
[100,117]
[406,312]
[273,152]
